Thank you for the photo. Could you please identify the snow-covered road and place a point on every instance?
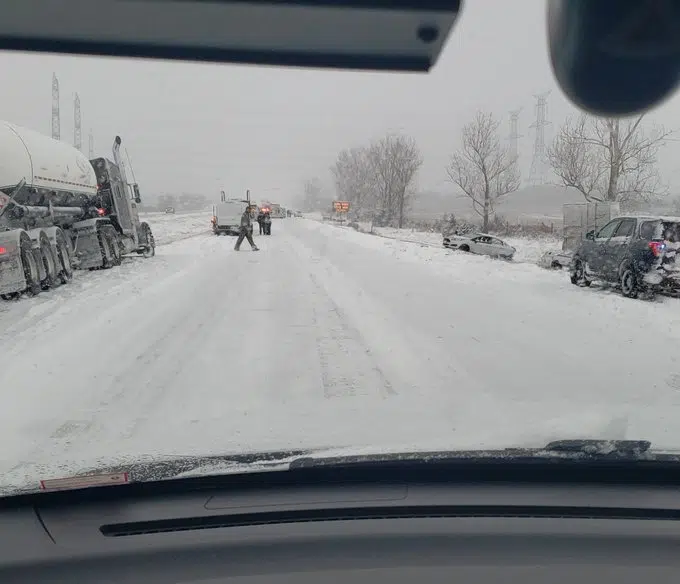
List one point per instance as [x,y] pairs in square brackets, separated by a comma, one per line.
[324,338]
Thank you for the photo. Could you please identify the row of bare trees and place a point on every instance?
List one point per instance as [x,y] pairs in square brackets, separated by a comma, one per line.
[379,179]
[609,159]
[605,159]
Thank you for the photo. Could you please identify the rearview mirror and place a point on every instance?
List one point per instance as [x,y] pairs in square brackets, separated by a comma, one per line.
[403,35]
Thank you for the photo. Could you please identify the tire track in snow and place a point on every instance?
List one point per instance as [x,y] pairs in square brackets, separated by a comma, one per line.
[348,365]
[414,361]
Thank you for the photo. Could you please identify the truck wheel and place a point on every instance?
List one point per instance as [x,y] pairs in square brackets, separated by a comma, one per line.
[64,258]
[30,266]
[114,244]
[105,249]
[47,258]
[150,248]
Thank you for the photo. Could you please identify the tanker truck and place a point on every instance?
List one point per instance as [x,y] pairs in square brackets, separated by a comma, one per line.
[60,211]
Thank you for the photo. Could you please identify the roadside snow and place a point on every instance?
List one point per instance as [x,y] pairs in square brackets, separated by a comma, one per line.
[167,227]
[529,250]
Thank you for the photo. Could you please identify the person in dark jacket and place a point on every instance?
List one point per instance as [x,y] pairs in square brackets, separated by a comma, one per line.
[246,231]
[260,221]
[267,221]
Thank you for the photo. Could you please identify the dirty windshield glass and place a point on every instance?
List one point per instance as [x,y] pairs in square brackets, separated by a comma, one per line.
[224,260]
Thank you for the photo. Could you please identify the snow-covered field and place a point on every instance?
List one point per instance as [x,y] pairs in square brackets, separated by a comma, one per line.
[168,228]
[325,338]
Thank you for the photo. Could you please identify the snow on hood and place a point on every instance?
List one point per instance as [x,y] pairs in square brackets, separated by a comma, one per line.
[585,425]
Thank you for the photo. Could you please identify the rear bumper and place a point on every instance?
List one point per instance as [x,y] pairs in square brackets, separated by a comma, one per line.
[662,279]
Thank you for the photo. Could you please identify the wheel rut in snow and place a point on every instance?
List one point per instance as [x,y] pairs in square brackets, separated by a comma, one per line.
[348,367]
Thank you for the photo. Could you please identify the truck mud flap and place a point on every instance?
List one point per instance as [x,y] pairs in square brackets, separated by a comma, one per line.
[87,249]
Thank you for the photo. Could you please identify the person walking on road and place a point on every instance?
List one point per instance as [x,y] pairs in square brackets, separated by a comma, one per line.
[246,231]
[260,221]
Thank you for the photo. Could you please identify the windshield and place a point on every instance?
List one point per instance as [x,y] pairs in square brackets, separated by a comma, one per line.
[226,260]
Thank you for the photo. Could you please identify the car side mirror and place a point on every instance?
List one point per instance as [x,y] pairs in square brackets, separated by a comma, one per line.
[591,235]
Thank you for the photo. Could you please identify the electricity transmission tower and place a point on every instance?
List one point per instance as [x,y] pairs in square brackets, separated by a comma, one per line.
[56,122]
[514,134]
[540,167]
[77,132]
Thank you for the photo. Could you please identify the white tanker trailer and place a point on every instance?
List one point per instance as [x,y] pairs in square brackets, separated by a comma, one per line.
[59,211]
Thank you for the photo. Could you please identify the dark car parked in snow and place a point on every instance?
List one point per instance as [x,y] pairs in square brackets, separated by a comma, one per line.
[637,253]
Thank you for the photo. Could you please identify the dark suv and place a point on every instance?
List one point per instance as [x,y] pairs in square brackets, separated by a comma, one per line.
[638,253]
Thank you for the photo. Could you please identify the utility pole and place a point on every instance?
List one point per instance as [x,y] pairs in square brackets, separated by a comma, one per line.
[91,145]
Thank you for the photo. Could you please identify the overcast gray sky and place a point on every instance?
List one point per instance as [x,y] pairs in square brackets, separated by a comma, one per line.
[199,128]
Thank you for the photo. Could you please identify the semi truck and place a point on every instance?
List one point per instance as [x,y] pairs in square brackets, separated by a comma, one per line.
[226,217]
[60,211]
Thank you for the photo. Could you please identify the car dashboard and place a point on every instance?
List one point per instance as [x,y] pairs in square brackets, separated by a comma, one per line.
[477,522]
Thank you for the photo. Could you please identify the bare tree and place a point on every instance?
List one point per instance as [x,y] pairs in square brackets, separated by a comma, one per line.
[378,179]
[313,195]
[609,159]
[395,160]
[355,180]
[483,168]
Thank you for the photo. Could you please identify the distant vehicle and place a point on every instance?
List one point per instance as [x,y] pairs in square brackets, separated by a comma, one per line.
[637,253]
[480,244]
[170,210]
[276,211]
[226,218]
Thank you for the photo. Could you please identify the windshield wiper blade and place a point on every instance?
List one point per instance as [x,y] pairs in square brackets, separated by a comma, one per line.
[560,449]
[621,448]
[169,467]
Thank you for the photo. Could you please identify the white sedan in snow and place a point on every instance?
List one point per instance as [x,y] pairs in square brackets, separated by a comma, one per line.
[481,244]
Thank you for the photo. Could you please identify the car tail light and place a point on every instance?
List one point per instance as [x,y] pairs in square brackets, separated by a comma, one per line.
[657,247]
[3,250]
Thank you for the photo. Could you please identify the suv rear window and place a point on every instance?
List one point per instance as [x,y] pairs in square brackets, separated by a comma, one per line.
[668,230]
[650,230]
